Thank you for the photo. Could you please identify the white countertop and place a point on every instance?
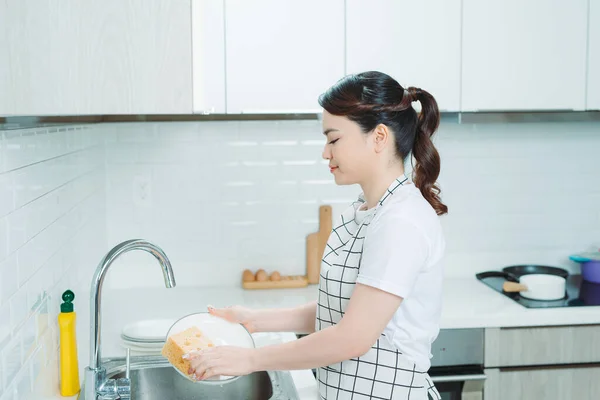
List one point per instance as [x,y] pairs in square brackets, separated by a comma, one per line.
[468,303]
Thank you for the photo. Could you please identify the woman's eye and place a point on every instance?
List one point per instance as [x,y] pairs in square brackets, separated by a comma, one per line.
[333,141]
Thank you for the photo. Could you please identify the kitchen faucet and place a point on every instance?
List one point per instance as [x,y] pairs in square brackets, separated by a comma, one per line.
[96,383]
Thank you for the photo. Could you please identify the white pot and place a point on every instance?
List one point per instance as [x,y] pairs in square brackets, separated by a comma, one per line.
[542,286]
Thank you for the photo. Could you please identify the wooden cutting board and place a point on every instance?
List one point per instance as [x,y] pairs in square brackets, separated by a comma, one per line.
[315,244]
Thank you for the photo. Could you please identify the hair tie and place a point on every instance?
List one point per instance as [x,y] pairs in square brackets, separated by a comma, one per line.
[413,92]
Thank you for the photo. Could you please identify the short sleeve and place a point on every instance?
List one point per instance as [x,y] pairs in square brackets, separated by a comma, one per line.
[395,251]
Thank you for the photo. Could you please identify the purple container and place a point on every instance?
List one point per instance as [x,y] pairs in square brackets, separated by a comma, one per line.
[590,271]
[589,293]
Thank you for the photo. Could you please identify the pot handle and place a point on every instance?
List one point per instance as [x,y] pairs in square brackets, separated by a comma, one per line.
[499,274]
[512,287]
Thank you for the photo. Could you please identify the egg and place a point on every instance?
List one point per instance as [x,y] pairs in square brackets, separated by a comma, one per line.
[247,276]
[275,276]
[261,275]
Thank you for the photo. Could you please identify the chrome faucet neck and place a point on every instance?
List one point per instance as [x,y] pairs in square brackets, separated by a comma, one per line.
[95,373]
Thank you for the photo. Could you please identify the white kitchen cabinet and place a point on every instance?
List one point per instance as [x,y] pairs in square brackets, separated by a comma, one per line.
[282,54]
[593,84]
[390,36]
[524,55]
[208,56]
[109,57]
[551,383]
[6,103]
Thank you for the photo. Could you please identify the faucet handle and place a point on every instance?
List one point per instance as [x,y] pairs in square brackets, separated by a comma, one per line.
[124,384]
[108,391]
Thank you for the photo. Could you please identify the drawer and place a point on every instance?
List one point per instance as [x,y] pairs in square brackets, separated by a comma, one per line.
[548,383]
[547,345]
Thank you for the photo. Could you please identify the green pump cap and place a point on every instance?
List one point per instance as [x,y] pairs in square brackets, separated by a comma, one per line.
[67,306]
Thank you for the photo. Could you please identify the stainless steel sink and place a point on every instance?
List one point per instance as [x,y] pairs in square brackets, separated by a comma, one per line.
[153,378]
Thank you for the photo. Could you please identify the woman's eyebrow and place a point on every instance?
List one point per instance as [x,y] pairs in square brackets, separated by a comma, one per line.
[327,131]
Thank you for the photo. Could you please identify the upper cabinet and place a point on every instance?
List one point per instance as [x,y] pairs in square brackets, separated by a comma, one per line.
[390,36]
[593,88]
[208,50]
[524,55]
[108,57]
[277,56]
[6,103]
[281,55]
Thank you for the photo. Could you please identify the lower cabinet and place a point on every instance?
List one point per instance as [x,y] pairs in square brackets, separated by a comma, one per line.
[549,383]
[542,362]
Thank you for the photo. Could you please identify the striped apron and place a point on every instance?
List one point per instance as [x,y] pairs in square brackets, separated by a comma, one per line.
[383,372]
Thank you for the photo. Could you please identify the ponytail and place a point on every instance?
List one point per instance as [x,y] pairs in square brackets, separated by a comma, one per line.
[427,168]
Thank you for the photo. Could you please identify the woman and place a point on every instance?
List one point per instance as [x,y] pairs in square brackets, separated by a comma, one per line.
[379,302]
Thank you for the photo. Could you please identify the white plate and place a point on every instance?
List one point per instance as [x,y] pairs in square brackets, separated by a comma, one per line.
[149,329]
[132,340]
[143,345]
[219,331]
[141,350]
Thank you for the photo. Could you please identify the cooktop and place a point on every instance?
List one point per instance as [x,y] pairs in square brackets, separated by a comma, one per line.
[579,293]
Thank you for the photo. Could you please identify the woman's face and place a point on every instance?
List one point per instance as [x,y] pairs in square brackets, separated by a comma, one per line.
[351,153]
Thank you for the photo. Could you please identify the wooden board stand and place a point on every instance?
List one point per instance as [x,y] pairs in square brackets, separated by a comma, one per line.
[315,247]
[292,281]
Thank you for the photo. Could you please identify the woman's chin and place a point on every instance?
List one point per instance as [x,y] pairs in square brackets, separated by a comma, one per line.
[342,180]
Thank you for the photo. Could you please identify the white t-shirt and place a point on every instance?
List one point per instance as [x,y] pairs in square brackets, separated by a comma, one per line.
[402,254]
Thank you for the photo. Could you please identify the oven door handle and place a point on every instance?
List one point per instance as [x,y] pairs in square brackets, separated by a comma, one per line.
[458,378]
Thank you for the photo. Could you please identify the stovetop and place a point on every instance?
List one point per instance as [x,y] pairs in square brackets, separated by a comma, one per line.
[579,293]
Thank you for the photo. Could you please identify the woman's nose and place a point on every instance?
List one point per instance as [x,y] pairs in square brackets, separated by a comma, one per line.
[326,153]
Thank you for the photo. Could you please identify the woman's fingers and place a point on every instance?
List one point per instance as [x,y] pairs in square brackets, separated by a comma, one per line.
[202,364]
[225,313]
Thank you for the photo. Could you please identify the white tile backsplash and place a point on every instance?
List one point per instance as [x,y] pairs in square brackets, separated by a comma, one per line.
[223,196]
[52,232]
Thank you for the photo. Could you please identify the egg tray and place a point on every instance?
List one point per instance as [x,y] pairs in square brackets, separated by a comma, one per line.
[285,281]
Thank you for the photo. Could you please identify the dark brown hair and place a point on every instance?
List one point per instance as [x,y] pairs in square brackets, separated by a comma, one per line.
[372,98]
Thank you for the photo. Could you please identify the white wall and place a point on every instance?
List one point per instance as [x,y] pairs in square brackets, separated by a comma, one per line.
[224,196]
[52,233]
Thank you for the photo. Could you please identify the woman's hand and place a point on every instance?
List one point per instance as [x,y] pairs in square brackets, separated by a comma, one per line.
[222,360]
[236,314]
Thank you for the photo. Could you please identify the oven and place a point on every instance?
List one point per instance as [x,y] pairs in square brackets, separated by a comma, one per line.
[457,364]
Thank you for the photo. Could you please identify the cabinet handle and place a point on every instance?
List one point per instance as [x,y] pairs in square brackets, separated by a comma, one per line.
[458,378]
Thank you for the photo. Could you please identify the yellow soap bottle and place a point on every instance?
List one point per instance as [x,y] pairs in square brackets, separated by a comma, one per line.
[69,366]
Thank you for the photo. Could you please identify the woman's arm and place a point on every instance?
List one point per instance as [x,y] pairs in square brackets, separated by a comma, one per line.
[369,311]
[297,319]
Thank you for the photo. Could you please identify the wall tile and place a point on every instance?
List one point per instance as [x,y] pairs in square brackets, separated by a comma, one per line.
[9,281]
[52,182]
[224,196]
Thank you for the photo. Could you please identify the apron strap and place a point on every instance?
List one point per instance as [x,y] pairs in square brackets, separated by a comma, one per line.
[432,392]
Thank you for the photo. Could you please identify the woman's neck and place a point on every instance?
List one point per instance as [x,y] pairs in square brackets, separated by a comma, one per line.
[375,188]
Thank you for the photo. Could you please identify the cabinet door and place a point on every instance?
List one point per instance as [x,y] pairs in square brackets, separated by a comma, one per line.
[524,55]
[390,36]
[593,88]
[208,46]
[282,54]
[576,383]
[6,96]
[506,347]
[108,57]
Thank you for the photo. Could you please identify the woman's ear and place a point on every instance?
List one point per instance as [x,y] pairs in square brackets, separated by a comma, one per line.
[381,137]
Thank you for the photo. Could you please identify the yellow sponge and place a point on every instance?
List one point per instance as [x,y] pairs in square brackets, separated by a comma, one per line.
[187,341]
